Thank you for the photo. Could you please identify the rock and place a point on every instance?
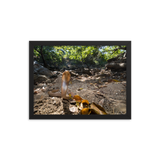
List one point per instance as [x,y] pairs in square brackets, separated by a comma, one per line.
[53,76]
[39,78]
[118,66]
[48,81]
[73,74]
[85,71]
[55,72]
[101,102]
[39,69]
[119,106]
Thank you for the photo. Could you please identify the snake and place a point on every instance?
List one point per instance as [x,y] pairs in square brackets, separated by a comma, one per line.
[66,76]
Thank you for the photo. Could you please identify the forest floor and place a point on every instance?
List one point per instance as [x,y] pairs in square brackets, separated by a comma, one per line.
[104,87]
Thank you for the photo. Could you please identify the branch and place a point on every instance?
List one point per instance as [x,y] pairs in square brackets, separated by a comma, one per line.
[37,50]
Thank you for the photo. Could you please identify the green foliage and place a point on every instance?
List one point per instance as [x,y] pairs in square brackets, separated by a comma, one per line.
[89,55]
[113,51]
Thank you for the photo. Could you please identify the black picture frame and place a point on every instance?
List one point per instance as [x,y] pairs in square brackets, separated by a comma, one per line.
[128,86]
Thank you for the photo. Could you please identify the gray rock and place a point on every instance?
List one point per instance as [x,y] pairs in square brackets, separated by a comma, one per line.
[39,69]
[39,78]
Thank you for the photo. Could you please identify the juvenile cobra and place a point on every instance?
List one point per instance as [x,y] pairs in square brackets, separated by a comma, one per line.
[66,76]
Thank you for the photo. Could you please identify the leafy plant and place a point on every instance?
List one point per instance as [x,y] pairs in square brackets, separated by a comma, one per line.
[88,55]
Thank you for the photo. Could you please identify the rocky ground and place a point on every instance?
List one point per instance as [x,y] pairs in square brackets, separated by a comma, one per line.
[101,86]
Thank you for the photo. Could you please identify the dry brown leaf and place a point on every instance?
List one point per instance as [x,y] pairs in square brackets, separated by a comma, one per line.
[110,80]
[85,101]
[80,106]
[73,109]
[114,80]
[35,92]
[77,98]
[41,97]
[97,109]
[85,111]
[79,89]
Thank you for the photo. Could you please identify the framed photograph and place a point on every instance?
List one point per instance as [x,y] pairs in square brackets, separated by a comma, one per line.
[80,79]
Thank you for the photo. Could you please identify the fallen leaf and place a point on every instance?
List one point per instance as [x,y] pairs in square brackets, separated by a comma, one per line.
[96,87]
[80,89]
[35,92]
[97,109]
[115,80]
[77,98]
[85,101]
[110,80]
[73,109]
[85,111]
[80,106]
[70,96]
[99,81]
[41,97]
[77,103]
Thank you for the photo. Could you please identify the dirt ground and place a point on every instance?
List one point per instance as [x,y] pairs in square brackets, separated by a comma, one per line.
[100,88]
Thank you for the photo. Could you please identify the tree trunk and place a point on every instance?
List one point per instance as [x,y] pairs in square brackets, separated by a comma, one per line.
[45,65]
